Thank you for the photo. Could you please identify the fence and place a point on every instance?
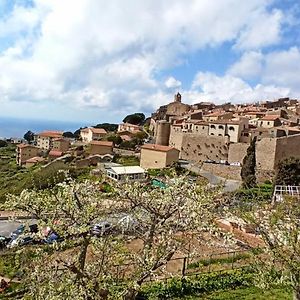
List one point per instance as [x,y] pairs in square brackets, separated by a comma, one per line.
[193,265]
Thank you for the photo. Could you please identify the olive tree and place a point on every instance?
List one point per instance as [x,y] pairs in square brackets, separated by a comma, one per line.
[85,266]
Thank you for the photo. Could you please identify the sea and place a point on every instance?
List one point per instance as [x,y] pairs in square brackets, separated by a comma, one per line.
[16,128]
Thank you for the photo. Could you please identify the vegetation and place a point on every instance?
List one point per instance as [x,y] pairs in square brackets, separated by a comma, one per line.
[14,179]
[247,199]
[162,218]
[246,293]
[127,160]
[68,134]
[107,126]
[29,136]
[200,284]
[278,226]
[3,143]
[288,172]
[136,119]
[115,138]
[219,260]
[248,166]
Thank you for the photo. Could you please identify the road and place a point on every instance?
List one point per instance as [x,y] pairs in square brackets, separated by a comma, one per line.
[7,226]
[228,184]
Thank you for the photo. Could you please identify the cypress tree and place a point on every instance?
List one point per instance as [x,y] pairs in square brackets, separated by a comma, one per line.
[248,166]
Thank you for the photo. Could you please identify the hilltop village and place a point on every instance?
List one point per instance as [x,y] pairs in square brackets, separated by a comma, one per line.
[214,137]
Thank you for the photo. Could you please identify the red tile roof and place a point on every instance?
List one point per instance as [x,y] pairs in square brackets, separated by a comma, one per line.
[55,153]
[98,130]
[21,146]
[94,130]
[157,147]
[270,118]
[51,134]
[35,159]
[102,143]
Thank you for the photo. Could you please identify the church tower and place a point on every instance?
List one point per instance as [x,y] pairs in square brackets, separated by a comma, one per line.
[177,98]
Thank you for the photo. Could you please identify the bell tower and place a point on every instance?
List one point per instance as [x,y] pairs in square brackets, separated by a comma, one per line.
[177,97]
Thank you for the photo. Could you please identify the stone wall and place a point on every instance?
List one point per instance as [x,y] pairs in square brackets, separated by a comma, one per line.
[286,147]
[200,148]
[176,137]
[237,151]
[225,171]
[265,154]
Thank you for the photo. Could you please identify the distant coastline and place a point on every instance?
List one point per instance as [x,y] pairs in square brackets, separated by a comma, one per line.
[15,127]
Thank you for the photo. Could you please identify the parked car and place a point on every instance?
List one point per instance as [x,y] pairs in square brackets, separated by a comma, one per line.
[21,241]
[33,228]
[101,228]
[4,241]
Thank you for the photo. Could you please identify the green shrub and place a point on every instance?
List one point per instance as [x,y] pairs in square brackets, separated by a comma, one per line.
[204,283]
[218,260]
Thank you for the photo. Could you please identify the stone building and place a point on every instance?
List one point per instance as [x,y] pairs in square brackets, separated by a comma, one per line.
[127,127]
[218,115]
[61,144]
[101,147]
[230,128]
[33,161]
[158,156]
[270,151]
[269,121]
[92,134]
[162,132]
[44,140]
[25,152]
[197,148]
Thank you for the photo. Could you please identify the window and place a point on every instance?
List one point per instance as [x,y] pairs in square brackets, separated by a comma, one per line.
[268,123]
[221,127]
[212,134]
[231,128]
[220,134]
[213,126]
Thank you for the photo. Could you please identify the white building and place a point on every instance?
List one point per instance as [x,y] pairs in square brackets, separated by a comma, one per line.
[92,134]
[129,173]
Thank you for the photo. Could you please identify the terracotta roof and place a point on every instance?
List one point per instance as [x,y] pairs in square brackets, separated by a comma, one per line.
[125,137]
[21,146]
[94,130]
[55,153]
[35,159]
[102,143]
[51,134]
[157,147]
[202,123]
[270,118]
[254,113]
[214,114]
[98,130]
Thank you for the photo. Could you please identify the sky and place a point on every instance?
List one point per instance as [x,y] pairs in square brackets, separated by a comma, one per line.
[97,61]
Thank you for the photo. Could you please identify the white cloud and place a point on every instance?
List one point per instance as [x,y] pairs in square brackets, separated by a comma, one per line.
[107,54]
[209,86]
[249,66]
[264,29]
[172,83]
[283,68]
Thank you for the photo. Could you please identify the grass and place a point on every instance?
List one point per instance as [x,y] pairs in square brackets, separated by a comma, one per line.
[251,293]
[128,160]
[219,260]
[14,179]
